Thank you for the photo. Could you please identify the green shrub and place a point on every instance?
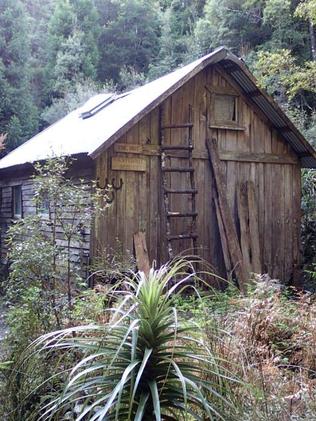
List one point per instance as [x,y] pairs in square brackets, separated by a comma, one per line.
[145,363]
[89,307]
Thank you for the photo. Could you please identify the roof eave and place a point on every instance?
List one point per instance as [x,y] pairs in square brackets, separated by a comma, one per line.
[29,166]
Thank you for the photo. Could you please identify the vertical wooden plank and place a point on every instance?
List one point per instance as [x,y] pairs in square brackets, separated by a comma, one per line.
[165,120]
[258,145]
[254,228]
[275,222]
[288,240]
[215,255]
[268,216]
[223,239]
[143,179]
[144,136]
[230,229]
[188,103]
[232,177]
[296,198]
[243,214]
[117,208]
[197,98]
[200,110]
[247,123]
[141,253]
[130,209]
[279,148]
[155,203]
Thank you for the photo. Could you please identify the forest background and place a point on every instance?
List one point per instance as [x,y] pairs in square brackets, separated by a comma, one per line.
[54,54]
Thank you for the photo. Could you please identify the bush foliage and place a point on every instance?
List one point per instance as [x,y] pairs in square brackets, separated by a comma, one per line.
[155,351]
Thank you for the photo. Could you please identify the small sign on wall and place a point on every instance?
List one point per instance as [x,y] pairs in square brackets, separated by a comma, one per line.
[129,164]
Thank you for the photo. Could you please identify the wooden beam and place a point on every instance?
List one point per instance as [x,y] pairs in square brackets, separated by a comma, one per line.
[222,90]
[263,158]
[135,148]
[141,253]
[227,127]
[154,150]
[228,223]
[223,238]
[119,163]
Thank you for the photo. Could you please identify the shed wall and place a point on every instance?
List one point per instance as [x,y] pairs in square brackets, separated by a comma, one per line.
[252,151]
[80,251]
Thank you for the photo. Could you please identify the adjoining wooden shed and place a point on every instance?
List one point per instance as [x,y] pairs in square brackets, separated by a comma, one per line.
[200,160]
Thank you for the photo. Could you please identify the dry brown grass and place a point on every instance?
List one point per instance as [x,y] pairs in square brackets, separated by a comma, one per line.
[270,343]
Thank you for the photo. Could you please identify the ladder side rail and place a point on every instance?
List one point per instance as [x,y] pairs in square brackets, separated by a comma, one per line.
[192,179]
[165,184]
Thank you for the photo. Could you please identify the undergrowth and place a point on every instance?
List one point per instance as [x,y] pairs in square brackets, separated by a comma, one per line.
[265,342]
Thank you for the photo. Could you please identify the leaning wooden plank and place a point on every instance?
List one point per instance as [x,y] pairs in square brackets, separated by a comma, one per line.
[243,215]
[141,253]
[254,228]
[223,238]
[229,226]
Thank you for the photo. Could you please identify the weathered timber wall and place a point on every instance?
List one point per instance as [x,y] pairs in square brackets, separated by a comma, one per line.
[252,150]
[80,250]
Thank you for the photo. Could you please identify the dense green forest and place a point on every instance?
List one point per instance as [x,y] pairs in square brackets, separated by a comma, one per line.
[54,54]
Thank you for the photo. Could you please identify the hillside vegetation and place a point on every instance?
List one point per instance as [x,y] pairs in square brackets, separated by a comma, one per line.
[54,54]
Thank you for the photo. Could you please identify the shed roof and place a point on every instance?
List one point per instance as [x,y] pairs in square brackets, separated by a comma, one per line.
[96,125]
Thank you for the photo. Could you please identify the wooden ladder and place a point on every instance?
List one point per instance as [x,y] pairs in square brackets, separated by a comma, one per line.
[167,191]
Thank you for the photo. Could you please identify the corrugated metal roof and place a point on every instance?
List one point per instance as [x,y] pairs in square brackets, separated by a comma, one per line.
[104,118]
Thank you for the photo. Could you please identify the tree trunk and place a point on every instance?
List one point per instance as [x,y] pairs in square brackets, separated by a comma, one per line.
[312,38]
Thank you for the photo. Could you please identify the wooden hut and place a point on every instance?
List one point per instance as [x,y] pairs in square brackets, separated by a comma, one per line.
[200,160]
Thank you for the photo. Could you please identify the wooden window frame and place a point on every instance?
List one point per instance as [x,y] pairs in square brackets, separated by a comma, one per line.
[221,123]
[15,214]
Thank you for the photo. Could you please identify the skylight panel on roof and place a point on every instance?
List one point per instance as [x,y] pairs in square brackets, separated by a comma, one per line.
[101,105]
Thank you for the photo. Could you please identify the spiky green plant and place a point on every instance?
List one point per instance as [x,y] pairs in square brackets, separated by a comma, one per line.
[145,364]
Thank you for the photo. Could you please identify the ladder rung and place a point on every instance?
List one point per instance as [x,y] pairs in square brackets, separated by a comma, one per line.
[182,236]
[187,191]
[176,147]
[177,126]
[181,214]
[178,169]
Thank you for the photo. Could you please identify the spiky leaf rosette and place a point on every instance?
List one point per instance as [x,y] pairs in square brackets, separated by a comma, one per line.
[145,364]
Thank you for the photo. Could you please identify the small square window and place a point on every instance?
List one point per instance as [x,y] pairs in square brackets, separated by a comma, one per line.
[17,201]
[225,109]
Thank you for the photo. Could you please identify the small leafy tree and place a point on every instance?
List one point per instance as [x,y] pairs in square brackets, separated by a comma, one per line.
[41,244]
